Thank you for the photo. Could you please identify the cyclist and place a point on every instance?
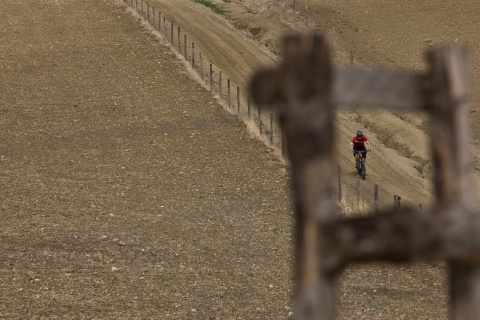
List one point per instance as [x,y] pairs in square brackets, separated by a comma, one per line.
[358,144]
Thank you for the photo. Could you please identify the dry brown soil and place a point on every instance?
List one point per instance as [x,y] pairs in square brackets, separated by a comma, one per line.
[129,193]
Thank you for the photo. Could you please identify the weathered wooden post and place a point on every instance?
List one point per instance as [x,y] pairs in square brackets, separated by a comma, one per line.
[179,42]
[453,179]
[358,189]
[396,202]
[202,74]
[220,84]
[238,100]
[228,95]
[148,12]
[185,46]
[160,21]
[171,32]
[271,128]
[211,77]
[193,55]
[153,18]
[260,127]
[339,177]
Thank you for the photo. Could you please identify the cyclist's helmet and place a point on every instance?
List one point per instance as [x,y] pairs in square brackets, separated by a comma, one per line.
[359,133]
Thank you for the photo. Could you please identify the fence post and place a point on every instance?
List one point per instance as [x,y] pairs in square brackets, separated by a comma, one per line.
[148,12]
[339,176]
[165,27]
[375,197]
[396,202]
[238,100]
[171,33]
[160,21]
[220,84]
[228,94]
[179,43]
[153,17]
[185,46]
[211,77]
[202,75]
[193,55]
[358,192]
[271,127]
[260,120]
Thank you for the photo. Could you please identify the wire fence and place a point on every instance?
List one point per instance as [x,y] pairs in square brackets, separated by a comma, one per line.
[232,95]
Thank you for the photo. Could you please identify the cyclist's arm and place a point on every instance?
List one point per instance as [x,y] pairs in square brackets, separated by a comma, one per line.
[351,145]
[368,144]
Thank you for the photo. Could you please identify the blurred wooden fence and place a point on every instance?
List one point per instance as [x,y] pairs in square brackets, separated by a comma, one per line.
[306,91]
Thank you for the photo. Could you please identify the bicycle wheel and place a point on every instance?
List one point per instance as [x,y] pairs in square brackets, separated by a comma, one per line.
[363,170]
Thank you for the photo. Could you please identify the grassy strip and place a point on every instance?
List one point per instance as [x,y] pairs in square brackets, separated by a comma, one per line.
[210,5]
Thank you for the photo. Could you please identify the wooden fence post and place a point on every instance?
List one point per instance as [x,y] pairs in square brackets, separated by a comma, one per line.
[202,75]
[185,46]
[238,100]
[228,94]
[160,21]
[211,77]
[260,120]
[339,176]
[220,84]
[271,128]
[171,32]
[358,189]
[179,42]
[165,27]
[193,55]
[148,12]
[396,202]
[153,18]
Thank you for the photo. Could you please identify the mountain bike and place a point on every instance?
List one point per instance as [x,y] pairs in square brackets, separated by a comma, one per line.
[361,167]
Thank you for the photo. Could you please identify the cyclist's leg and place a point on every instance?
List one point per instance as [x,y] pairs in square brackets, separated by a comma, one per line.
[364,153]
[355,154]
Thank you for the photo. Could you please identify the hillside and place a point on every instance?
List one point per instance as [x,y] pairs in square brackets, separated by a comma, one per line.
[379,34]
[249,36]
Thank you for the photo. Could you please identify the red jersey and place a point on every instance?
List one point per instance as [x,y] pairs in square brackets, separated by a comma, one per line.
[359,141]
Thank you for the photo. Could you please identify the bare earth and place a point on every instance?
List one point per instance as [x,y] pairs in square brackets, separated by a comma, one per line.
[129,193]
